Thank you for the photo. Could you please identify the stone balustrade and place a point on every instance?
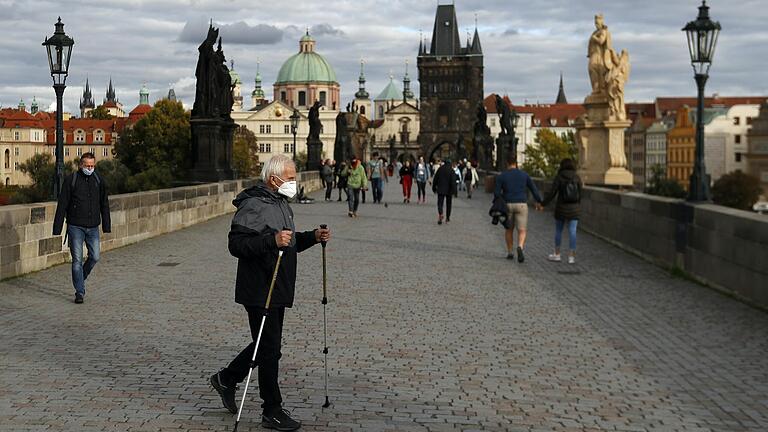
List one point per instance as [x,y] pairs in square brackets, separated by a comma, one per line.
[27,243]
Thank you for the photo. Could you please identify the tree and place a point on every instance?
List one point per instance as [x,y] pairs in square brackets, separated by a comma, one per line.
[40,168]
[736,189]
[100,113]
[544,159]
[662,186]
[161,143]
[245,156]
[115,175]
[301,161]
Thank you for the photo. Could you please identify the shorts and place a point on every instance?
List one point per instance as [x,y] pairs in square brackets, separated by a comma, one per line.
[517,216]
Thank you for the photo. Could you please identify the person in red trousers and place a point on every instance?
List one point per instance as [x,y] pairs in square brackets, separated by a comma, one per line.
[406,178]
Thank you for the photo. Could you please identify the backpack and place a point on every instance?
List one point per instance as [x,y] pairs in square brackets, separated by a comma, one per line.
[569,192]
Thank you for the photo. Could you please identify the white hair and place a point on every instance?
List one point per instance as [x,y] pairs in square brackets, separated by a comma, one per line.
[275,166]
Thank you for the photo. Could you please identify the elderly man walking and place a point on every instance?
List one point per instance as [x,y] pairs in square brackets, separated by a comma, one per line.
[262,225]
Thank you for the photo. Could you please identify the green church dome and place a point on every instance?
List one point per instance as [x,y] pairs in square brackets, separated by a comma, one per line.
[306,66]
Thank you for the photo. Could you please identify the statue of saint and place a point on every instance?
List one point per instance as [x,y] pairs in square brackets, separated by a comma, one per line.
[203,73]
[315,125]
[599,52]
[505,117]
[617,76]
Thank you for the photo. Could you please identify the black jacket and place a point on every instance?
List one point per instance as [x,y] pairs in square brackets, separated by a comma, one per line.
[564,211]
[87,205]
[260,214]
[444,181]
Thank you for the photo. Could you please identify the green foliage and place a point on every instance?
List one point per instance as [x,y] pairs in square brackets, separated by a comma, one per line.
[544,159]
[115,175]
[662,186]
[245,157]
[737,189]
[41,169]
[301,161]
[157,148]
[100,113]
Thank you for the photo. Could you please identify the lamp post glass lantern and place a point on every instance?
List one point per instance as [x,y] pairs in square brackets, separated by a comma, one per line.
[59,48]
[702,37]
[295,117]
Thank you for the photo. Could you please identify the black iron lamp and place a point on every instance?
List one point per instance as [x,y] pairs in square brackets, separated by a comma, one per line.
[295,117]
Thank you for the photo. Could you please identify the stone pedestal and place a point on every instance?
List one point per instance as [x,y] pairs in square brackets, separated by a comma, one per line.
[504,145]
[600,140]
[212,150]
[483,152]
[314,154]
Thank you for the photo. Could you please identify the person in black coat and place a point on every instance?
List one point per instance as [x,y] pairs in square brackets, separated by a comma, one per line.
[444,185]
[567,187]
[84,202]
[262,226]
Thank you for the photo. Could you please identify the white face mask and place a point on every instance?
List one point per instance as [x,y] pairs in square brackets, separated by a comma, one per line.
[287,189]
[87,171]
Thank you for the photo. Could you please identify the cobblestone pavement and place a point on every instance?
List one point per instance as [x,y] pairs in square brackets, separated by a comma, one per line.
[431,329]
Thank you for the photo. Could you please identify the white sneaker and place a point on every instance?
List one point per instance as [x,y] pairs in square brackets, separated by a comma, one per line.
[571,259]
[554,257]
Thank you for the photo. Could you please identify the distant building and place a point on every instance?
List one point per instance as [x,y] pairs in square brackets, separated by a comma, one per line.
[681,145]
[237,84]
[757,150]
[636,135]
[86,101]
[728,132]
[112,104]
[362,97]
[307,77]
[656,146]
[451,85]
[22,135]
[143,107]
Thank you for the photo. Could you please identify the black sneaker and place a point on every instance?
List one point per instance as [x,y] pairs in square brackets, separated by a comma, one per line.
[279,420]
[78,298]
[510,256]
[520,256]
[227,392]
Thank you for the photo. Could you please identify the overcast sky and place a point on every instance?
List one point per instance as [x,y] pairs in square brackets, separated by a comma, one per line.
[526,44]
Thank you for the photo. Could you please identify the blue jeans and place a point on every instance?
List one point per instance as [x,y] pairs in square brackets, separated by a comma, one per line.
[378,189]
[572,224]
[76,236]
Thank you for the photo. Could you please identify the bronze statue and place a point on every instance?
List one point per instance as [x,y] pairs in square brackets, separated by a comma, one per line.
[340,146]
[505,117]
[315,125]
[213,91]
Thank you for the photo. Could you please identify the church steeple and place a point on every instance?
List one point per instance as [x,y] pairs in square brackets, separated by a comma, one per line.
[35,107]
[407,93]
[476,48]
[561,93]
[111,96]
[144,95]
[361,92]
[86,102]
[257,95]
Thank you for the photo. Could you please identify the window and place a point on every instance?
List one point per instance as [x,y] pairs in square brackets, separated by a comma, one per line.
[283,96]
[736,121]
[16,151]
[287,129]
[98,136]
[93,150]
[738,157]
[79,136]
[493,122]
[261,129]
[15,166]
[269,129]
[7,158]
[302,98]
[265,148]
[362,110]
[443,116]
[288,148]
[381,111]
[66,151]
[16,136]
[105,151]
[322,98]
[37,136]
[737,139]
[79,151]
[749,120]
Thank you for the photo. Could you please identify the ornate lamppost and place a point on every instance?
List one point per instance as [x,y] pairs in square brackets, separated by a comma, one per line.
[702,38]
[59,47]
[295,117]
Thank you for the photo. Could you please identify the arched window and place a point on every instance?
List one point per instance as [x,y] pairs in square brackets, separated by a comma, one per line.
[302,98]
[7,159]
[362,110]
[79,136]
[322,98]
[7,181]
[381,112]
[98,136]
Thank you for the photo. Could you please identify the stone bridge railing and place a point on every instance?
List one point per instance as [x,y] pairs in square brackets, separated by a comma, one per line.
[724,248]
[27,243]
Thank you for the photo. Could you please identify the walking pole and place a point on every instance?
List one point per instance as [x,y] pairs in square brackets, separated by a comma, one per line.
[325,322]
[258,338]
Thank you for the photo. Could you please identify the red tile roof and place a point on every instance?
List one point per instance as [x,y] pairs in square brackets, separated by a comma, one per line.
[562,114]
[665,105]
[89,126]
[140,111]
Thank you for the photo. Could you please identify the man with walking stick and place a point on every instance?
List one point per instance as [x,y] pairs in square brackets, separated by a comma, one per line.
[262,230]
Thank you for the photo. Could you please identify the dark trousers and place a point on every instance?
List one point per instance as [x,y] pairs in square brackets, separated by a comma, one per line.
[344,188]
[353,199]
[267,358]
[328,189]
[448,200]
[378,192]
[422,189]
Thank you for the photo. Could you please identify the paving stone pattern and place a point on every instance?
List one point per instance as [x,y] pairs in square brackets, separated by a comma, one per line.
[431,329]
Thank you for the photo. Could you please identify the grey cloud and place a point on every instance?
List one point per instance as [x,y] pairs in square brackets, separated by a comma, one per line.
[237,33]
[326,29]
[511,32]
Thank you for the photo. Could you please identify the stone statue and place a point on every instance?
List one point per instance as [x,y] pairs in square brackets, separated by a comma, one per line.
[213,91]
[505,117]
[616,77]
[315,126]
[342,137]
[599,53]
[481,122]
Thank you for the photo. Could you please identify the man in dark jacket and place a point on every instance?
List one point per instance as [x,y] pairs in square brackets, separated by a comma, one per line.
[513,185]
[262,225]
[84,202]
[444,185]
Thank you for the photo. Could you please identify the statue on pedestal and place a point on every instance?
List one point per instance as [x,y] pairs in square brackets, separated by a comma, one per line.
[341,146]
[482,148]
[314,145]
[607,71]
[211,123]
